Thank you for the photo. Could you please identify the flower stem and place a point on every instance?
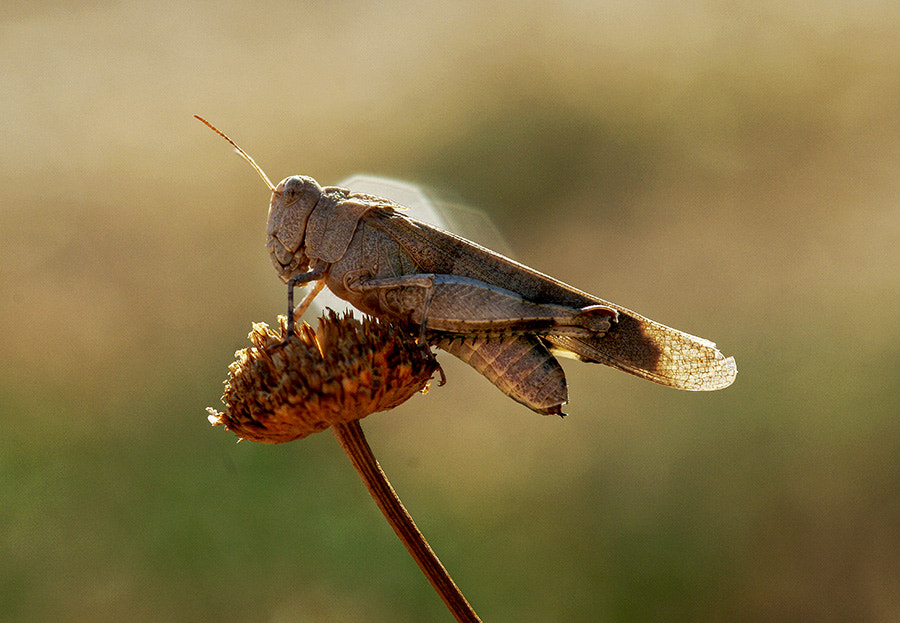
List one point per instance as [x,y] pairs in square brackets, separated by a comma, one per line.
[353,441]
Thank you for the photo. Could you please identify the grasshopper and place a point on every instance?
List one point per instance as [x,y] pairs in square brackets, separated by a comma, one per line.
[501,317]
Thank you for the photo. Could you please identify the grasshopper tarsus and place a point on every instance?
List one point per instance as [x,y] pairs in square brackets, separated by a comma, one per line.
[440,371]
[425,346]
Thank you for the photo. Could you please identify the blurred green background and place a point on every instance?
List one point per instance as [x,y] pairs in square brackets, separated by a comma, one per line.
[728,170]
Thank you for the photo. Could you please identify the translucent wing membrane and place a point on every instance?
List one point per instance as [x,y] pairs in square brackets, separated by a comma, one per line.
[655,352]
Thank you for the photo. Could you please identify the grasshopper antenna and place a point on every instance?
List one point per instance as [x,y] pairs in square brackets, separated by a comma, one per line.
[240,151]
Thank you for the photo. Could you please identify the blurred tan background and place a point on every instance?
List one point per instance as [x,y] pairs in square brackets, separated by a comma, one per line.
[729,171]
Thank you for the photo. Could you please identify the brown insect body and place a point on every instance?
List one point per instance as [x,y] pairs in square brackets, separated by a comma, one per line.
[502,317]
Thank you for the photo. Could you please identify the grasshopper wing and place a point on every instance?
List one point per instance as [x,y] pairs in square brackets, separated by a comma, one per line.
[634,344]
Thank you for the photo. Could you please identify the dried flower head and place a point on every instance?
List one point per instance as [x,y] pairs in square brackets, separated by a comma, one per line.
[279,390]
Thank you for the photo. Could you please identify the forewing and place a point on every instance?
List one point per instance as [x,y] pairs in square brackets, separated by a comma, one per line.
[634,344]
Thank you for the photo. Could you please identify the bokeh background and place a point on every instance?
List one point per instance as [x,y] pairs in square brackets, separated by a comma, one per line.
[731,170]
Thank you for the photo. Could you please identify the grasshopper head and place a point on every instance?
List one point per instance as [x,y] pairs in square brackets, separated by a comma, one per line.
[293,201]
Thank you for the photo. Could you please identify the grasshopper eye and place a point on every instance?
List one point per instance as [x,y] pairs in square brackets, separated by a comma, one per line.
[292,189]
[303,189]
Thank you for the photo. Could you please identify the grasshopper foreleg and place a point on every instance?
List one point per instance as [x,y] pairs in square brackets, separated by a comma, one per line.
[316,274]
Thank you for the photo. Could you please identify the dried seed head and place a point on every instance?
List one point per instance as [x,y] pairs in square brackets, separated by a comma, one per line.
[279,391]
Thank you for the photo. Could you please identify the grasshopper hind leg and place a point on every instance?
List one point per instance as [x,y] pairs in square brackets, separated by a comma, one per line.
[520,366]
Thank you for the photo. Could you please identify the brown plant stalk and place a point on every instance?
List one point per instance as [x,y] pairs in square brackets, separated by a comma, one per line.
[288,386]
[353,441]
